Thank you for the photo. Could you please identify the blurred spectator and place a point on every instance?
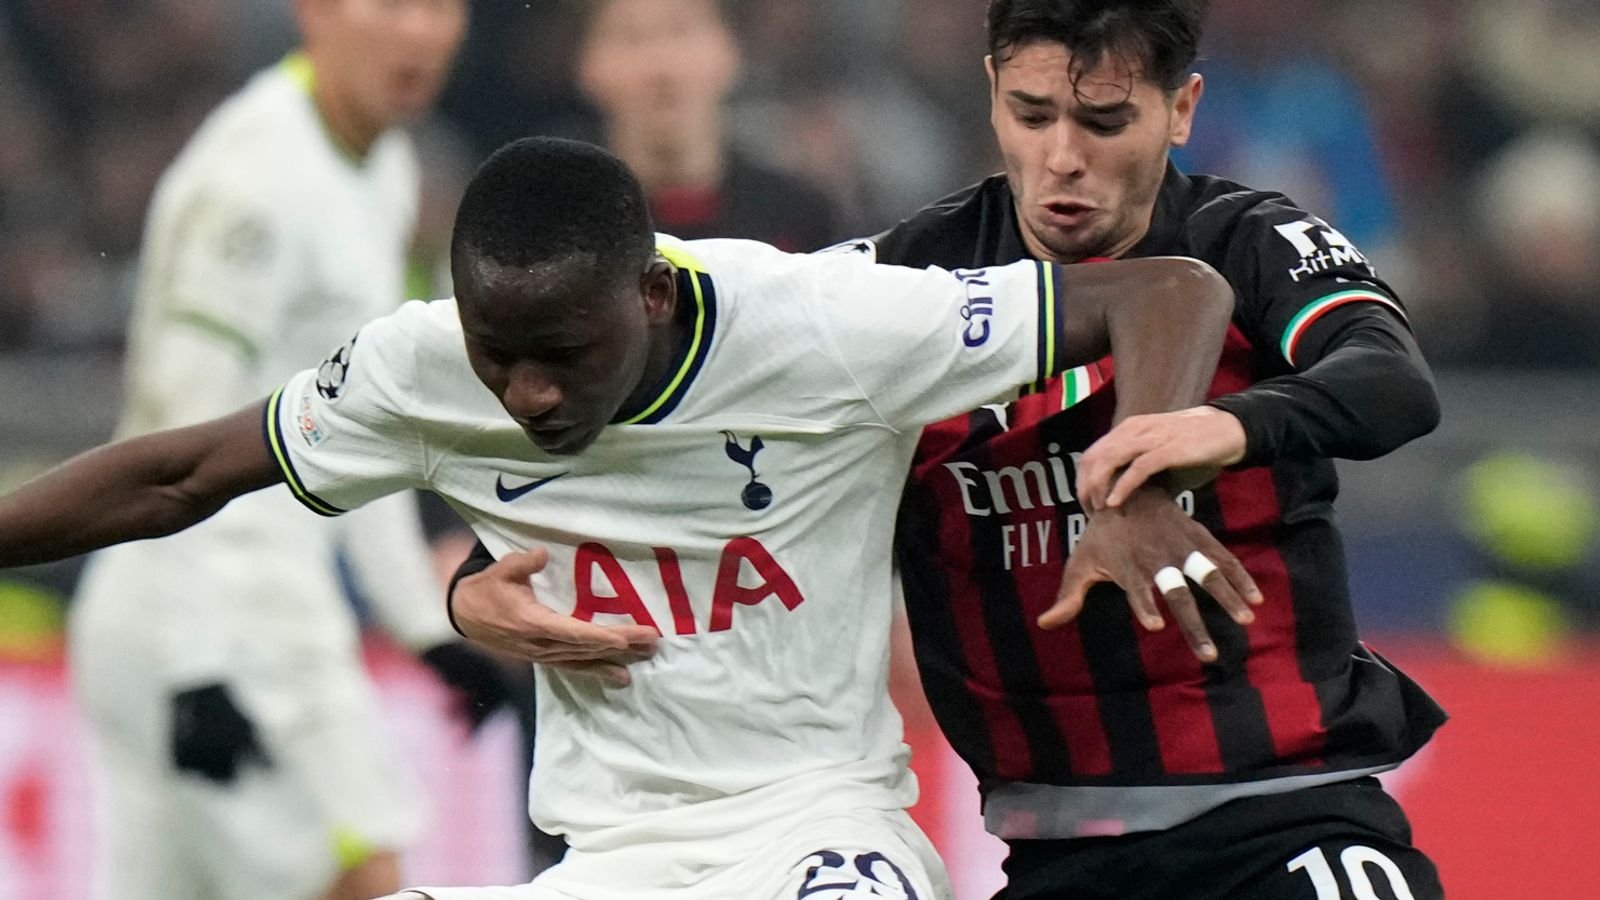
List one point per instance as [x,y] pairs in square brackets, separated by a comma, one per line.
[660,73]
[1538,209]
[1279,110]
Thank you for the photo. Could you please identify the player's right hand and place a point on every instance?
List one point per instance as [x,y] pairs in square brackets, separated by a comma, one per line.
[211,737]
[497,608]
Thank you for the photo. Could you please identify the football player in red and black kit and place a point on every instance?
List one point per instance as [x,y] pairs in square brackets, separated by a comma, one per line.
[1112,761]
[1232,762]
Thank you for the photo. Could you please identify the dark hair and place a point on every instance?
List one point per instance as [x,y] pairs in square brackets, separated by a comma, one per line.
[1162,36]
[548,203]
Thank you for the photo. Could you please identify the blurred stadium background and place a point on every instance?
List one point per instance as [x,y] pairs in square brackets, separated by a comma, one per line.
[1456,141]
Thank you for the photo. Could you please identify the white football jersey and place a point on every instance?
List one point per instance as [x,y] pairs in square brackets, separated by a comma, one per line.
[745,512]
[266,245]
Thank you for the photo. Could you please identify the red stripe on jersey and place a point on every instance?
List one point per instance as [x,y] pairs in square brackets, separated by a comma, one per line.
[1248,501]
[1012,757]
[1063,667]
[1179,707]
[1027,412]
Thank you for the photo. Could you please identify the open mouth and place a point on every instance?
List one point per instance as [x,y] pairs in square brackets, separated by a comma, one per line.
[1067,213]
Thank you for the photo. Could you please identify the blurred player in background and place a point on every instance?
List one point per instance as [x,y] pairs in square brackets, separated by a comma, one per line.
[220,668]
[1114,760]
[660,72]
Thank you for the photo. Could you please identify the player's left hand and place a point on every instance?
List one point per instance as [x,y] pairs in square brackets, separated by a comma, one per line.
[1132,545]
[478,682]
[1193,444]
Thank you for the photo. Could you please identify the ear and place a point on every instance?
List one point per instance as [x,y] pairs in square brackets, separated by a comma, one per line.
[1184,102]
[659,290]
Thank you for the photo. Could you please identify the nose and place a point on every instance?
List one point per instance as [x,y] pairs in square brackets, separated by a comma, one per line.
[1066,156]
[433,23]
[531,393]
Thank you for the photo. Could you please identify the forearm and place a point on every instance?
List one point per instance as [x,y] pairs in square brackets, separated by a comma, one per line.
[1165,337]
[141,488]
[1370,393]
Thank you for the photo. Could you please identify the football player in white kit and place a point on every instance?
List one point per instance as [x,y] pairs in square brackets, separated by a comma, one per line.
[220,668]
[707,439]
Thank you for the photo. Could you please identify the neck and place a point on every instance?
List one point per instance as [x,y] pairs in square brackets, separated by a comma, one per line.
[668,344]
[350,130]
[683,159]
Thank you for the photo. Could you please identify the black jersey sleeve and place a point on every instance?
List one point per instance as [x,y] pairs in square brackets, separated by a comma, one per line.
[1365,392]
[1340,374]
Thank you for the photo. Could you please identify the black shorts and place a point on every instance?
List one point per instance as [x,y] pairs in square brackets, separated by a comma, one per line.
[1346,841]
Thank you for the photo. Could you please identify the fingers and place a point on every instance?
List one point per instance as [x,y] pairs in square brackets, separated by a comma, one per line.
[1137,472]
[1104,459]
[1232,573]
[548,655]
[1186,613]
[520,566]
[546,626]
[1200,569]
[1075,584]
[609,673]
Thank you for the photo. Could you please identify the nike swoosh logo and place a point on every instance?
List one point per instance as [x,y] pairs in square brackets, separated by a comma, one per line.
[508,495]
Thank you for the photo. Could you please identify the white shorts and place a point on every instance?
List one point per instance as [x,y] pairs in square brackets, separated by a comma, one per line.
[865,854]
[333,793]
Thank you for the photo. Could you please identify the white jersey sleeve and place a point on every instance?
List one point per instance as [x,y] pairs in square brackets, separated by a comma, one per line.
[218,264]
[925,344]
[339,431]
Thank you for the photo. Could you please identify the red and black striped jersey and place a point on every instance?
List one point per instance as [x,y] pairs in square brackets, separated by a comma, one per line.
[1101,727]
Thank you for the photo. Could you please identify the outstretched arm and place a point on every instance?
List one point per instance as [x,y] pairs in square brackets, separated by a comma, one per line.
[145,487]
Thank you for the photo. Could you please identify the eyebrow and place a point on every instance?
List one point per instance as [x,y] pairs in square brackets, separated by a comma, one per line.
[1029,99]
[1110,109]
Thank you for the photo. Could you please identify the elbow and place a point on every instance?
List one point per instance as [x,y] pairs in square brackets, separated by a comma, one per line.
[1199,291]
[1412,409]
[1423,406]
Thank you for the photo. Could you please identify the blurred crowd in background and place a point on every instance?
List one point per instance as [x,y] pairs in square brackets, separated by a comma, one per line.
[1457,142]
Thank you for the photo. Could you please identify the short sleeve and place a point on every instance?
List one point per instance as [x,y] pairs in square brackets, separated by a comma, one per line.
[225,269]
[338,431]
[1291,270]
[922,345]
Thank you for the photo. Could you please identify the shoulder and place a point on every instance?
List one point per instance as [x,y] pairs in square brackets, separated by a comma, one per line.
[1220,216]
[247,152]
[956,219]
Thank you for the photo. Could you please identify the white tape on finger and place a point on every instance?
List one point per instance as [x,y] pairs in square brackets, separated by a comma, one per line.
[1169,579]
[1199,567]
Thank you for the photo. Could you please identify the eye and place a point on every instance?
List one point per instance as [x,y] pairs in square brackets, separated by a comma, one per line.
[563,357]
[495,357]
[1033,120]
[1106,128]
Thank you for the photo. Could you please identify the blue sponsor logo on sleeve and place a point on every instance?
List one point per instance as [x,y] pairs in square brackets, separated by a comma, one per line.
[978,308]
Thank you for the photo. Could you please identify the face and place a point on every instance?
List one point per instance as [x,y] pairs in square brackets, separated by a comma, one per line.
[563,354]
[1084,161]
[657,65]
[388,58]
